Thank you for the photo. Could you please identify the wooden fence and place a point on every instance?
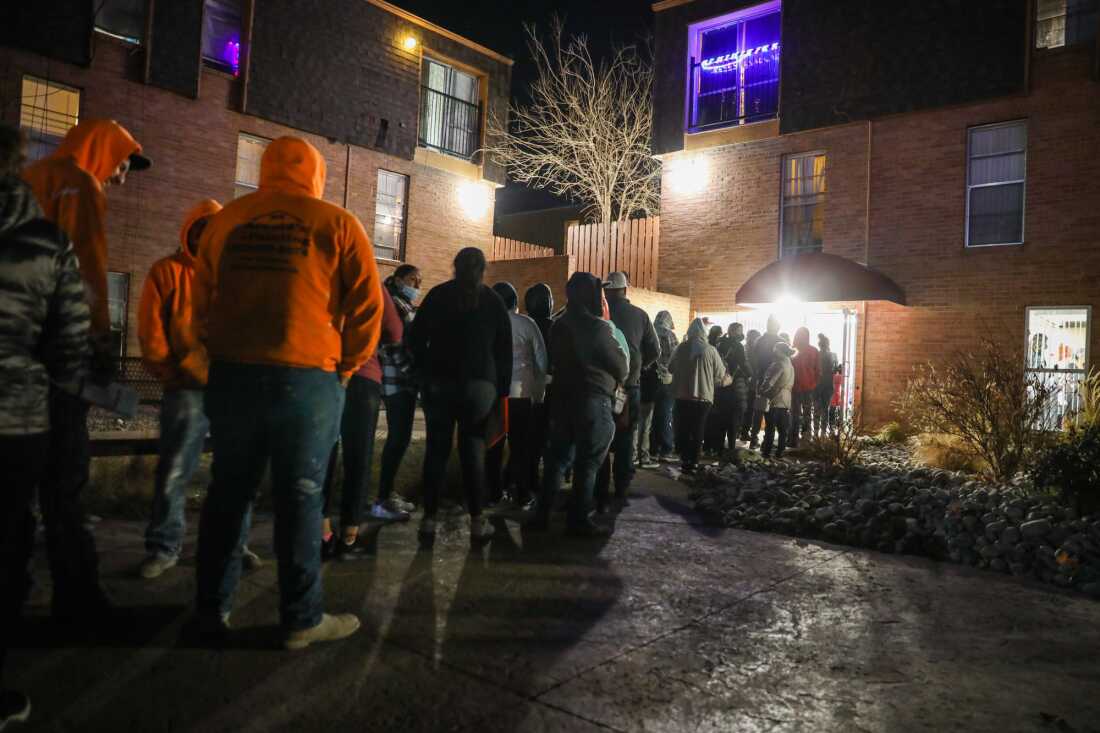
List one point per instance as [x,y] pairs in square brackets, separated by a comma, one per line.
[513,249]
[630,246]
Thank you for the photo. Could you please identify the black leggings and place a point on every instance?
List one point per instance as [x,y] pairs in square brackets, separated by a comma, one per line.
[358,426]
[691,420]
[467,405]
[521,428]
[400,411]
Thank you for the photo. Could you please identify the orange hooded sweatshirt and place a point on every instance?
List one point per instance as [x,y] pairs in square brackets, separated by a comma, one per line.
[285,278]
[164,315]
[69,188]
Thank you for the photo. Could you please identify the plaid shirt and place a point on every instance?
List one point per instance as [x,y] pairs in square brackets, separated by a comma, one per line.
[394,358]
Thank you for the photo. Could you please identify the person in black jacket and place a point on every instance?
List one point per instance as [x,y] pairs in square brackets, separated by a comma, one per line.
[587,363]
[461,345]
[644,350]
[763,353]
[44,345]
[737,367]
[538,301]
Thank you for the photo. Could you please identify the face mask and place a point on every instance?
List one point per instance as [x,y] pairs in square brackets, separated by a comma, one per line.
[409,293]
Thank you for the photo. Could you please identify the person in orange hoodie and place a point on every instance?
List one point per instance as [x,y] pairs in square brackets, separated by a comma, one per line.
[180,363]
[288,302]
[70,186]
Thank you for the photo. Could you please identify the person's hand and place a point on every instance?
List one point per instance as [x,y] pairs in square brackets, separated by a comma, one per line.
[344,380]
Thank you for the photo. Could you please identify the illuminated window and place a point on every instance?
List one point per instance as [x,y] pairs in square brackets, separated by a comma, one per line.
[997,166]
[734,68]
[221,35]
[390,204]
[802,227]
[1065,22]
[47,111]
[450,113]
[1058,354]
[122,19]
[250,150]
[118,307]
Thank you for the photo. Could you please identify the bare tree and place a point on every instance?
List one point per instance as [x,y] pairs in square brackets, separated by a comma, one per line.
[586,133]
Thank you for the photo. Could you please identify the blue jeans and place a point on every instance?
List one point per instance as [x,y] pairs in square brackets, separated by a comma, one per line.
[580,434]
[663,402]
[290,417]
[622,445]
[183,427]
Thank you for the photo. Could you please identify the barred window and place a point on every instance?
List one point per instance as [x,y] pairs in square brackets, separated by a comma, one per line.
[47,111]
[390,206]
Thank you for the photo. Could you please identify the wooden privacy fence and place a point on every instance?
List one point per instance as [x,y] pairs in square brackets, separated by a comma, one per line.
[513,249]
[630,246]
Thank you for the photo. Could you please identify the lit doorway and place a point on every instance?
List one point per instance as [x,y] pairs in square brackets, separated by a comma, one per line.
[839,324]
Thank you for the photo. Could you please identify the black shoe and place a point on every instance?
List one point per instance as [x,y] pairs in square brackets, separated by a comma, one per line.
[328,547]
[537,524]
[588,529]
[351,553]
[15,707]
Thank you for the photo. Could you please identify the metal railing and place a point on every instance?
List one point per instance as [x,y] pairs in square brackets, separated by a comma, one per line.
[1064,408]
[449,124]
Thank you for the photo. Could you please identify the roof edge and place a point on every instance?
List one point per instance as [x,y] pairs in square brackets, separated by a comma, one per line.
[666,4]
[428,25]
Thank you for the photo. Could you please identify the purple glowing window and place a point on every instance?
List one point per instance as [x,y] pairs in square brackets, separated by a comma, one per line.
[221,35]
[734,72]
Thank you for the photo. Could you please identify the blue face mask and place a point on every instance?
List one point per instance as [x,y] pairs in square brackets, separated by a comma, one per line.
[409,293]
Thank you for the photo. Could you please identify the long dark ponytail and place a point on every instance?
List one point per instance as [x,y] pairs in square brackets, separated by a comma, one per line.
[469,273]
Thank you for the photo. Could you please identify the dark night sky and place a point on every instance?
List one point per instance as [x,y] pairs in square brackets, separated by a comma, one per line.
[499,25]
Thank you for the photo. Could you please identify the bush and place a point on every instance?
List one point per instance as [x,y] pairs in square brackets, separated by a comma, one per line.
[945,452]
[842,447]
[1071,466]
[892,432]
[984,399]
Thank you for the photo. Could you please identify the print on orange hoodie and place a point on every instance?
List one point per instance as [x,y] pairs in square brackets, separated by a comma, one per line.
[164,315]
[69,188]
[285,278]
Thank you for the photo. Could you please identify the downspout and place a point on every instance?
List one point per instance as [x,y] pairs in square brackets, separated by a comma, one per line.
[867,262]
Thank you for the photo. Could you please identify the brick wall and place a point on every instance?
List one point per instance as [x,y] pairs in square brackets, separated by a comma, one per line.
[194,146]
[554,271]
[713,240]
[653,302]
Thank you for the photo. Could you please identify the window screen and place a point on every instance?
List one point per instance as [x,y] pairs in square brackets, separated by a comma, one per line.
[997,163]
[802,228]
[389,215]
[250,150]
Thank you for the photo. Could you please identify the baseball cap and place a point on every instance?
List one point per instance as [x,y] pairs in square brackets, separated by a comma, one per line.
[139,162]
[617,281]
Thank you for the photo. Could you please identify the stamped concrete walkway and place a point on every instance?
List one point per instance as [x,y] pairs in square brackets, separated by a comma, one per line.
[668,626]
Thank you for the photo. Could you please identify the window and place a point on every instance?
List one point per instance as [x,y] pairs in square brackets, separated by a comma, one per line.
[390,203]
[123,19]
[250,150]
[47,110]
[802,225]
[1065,22]
[118,307]
[450,113]
[734,68]
[997,164]
[1058,353]
[221,35]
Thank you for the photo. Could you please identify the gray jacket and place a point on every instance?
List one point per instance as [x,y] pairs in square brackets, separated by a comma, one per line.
[778,382]
[43,313]
[529,359]
[696,366]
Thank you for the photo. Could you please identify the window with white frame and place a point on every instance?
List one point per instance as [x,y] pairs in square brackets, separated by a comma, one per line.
[995,183]
[390,205]
[46,112]
[733,74]
[802,224]
[118,307]
[1065,22]
[1058,354]
[450,109]
[250,150]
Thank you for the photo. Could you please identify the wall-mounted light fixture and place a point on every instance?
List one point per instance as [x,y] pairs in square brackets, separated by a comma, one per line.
[689,175]
[409,43]
[473,198]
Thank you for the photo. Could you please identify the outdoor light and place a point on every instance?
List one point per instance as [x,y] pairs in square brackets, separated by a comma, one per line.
[474,200]
[687,175]
[788,299]
[409,43]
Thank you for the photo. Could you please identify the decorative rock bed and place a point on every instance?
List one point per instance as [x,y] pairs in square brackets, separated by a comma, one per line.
[889,505]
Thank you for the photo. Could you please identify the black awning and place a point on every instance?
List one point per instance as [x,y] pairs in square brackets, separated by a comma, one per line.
[816,277]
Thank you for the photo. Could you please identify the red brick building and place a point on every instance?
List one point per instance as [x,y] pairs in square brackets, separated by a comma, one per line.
[396,105]
[953,148]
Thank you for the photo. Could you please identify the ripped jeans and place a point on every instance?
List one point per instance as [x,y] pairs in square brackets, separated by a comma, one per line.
[289,417]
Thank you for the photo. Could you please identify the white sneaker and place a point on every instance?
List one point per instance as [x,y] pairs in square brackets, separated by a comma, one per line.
[155,566]
[396,504]
[331,628]
[388,514]
[251,561]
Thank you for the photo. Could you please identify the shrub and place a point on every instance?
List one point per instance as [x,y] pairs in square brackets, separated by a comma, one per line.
[842,447]
[1071,466]
[892,432]
[986,400]
[946,452]
[1089,415]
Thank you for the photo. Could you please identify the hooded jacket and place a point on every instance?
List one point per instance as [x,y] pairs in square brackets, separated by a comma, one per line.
[584,354]
[69,187]
[285,278]
[538,301]
[164,314]
[696,366]
[779,379]
[807,363]
[43,312]
[640,335]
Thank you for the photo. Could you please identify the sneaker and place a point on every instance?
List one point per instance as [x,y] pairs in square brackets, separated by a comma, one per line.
[648,463]
[396,503]
[667,458]
[331,628]
[155,566]
[250,561]
[15,707]
[381,511]
[480,529]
